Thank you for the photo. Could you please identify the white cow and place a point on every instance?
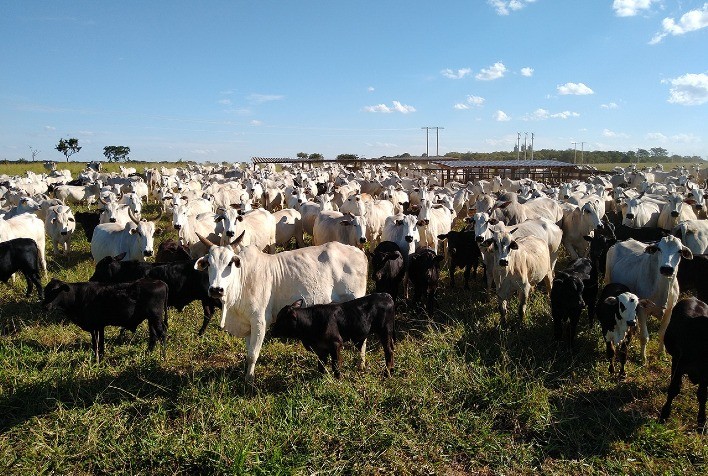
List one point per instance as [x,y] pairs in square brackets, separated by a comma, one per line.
[520,265]
[376,213]
[253,286]
[650,272]
[76,193]
[694,234]
[259,225]
[433,220]
[579,223]
[640,212]
[135,238]
[402,230]
[60,225]
[677,209]
[189,225]
[335,226]
[26,225]
[288,225]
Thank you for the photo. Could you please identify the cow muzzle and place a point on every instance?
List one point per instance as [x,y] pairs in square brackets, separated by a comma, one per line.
[362,240]
[230,234]
[479,238]
[631,323]
[178,227]
[64,233]
[147,253]
[112,220]
[409,239]
[667,271]
[674,214]
[630,216]
[503,263]
[216,292]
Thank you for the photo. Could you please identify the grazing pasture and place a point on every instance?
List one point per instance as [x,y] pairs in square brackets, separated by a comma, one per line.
[465,396]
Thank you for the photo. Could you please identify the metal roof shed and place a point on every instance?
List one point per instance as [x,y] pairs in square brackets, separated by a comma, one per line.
[546,171]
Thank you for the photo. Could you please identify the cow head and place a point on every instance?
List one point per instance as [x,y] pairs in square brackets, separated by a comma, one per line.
[591,212]
[55,294]
[504,245]
[569,288]
[180,216]
[62,217]
[380,260]
[482,223]
[406,228]
[358,227]
[354,204]
[106,268]
[143,233]
[285,324]
[113,212]
[667,255]
[223,265]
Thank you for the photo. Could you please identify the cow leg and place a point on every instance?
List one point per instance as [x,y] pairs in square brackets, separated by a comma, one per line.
[387,343]
[253,345]
[362,355]
[610,350]
[101,343]
[702,396]
[665,322]
[336,356]
[502,311]
[623,351]
[468,268]
[523,299]
[208,313]
[322,361]
[674,389]
[643,335]
[573,328]
[94,345]
[452,274]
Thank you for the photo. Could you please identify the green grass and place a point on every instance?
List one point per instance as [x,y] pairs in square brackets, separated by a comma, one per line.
[465,397]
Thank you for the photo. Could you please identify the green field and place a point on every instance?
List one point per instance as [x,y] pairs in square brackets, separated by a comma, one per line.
[465,397]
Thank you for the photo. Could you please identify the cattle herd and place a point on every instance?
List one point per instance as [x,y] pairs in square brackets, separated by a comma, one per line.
[643,234]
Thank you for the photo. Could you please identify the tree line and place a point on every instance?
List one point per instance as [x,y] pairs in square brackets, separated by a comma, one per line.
[655,154]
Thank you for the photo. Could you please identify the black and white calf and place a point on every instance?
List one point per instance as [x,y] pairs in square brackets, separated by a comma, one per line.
[324,328]
[21,254]
[93,306]
[685,341]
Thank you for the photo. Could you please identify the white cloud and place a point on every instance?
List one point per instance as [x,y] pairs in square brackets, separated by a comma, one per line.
[609,133]
[689,21]
[370,89]
[578,89]
[50,128]
[689,89]
[528,72]
[503,7]
[685,138]
[471,101]
[495,71]
[501,116]
[542,114]
[256,122]
[402,108]
[396,106]
[261,98]
[461,105]
[630,8]
[225,102]
[202,151]
[459,74]
[612,105]
[657,136]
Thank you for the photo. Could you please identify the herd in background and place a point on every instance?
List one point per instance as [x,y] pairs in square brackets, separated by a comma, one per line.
[643,233]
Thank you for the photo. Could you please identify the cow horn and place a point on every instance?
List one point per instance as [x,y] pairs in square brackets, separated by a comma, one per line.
[159,214]
[205,241]
[238,240]
[102,200]
[132,216]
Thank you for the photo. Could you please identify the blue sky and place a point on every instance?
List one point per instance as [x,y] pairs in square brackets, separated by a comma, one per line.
[228,80]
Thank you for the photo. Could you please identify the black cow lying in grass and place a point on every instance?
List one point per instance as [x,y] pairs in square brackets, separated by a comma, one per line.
[324,328]
[21,254]
[93,306]
[685,340]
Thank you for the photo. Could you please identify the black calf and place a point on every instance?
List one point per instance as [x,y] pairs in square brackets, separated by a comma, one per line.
[21,254]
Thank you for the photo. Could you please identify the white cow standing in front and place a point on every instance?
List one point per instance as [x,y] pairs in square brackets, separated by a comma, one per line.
[253,286]
[650,272]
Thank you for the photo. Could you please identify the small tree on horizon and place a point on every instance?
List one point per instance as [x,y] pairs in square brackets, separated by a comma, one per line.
[68,147]
[116,153]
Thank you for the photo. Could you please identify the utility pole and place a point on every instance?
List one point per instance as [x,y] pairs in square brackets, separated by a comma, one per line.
[518,146]
[575,152]
[437,140]
[582,145]
[532,146]
[526,136]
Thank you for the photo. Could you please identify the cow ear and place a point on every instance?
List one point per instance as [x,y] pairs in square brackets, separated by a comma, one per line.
[53,220]
[345,222]
[394,255]
[442,237]
[236,261]
[686,253]
[587,238]
[218,218]
[132,231]
[493,221]
[513,245]
[201,264]
[512,231]
[611,301]
[120,257]
[158,232]
[240,218]
[235,205]
[651,249]
[487,242]
[298,304]
[399,222]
